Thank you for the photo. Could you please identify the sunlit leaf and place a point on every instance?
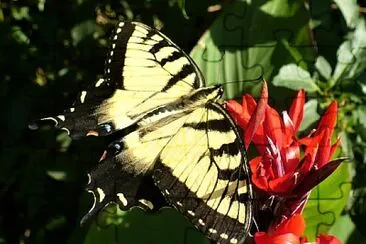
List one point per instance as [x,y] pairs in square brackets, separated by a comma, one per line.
[349,10]
[294,77]
[244,43]
[323,67]
[310,114]
[352,55]
[327,201]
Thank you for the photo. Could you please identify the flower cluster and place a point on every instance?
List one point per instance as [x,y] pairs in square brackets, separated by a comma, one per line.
[288,167]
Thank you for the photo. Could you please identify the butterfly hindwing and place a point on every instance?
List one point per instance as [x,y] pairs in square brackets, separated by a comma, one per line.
[111,182]
[144,70]
[202,172]
[198,162]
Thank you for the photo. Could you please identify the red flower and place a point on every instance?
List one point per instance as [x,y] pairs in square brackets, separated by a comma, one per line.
[279,170]
[290,232]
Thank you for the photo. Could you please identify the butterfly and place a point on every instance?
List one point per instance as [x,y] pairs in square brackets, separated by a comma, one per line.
[180,140]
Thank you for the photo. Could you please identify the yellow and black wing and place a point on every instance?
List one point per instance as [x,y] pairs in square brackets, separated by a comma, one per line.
[203,172]
[198,162]
[144,70]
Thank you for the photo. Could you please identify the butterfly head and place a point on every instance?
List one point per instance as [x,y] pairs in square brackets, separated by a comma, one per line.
[214,93]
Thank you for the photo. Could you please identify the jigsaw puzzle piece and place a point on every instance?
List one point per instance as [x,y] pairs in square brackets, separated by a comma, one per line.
[327,201]
[244,40]
[137,226]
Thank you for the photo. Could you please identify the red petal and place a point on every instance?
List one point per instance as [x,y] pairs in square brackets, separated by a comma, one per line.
[294,225]
[283,184]
[257,117]
[273,126]
[315,176]
[288,238]
[324,149]
[234,107]
[329,119]
[306,164]
[334,147]
[249,104]
[292,155]
[312,146]
[259,174]
[296,111]
[327,239]
[254,164]
[288,129]
[237,113]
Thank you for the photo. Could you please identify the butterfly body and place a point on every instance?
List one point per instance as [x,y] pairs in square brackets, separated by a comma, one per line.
[184,144]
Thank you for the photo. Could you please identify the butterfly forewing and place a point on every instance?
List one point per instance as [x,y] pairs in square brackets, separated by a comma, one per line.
[144,70]
[202,172]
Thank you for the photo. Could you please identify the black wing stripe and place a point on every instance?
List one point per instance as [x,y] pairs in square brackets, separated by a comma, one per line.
[174,56]
[210,218]
[231,149]
[158,46]
[214,125]
[183,73]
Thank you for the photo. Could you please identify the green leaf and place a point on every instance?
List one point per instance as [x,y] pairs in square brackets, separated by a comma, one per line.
[358,203]
[310,114]
[326,202]
[342,228]
[361,112]
[19,35]
[347,145]
[20,13]
[84,29]
[351,55]
[182,6]
[349,10]
[136,226]
[245,43]
[323,67]
[295,78]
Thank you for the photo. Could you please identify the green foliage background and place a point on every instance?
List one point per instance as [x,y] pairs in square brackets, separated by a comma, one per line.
[50,50]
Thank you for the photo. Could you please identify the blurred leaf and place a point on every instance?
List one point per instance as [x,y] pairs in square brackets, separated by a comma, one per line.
[295,54]
[361,112]
[40,77]
[342,228]
[326,202]
[41,5]
[56,222]
[19,35]
[310,114]
[349,10]
[64,140]
[1,20]
[20,13]
[127,10]
[244,43]
[166,226]
[347,145]
[362,82]
[323,67]
[182,6]
[57,175]
[84,29]
[358,206]
[352,55]
[293,77]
